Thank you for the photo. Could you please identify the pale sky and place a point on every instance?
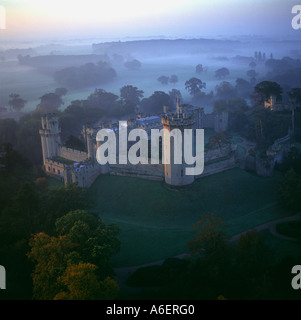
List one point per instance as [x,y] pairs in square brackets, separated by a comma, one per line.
[121,18]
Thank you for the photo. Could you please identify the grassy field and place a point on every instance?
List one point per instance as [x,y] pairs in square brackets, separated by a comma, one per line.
[157,222]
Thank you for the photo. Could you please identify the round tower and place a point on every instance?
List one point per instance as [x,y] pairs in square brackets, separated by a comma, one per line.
[175,173]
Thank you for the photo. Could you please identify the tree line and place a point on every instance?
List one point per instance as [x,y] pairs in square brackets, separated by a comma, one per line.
[53,244]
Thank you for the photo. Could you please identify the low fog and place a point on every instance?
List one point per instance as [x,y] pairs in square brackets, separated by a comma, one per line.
[81,68]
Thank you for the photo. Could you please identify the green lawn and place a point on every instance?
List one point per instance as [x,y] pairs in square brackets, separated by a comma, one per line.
[156,222]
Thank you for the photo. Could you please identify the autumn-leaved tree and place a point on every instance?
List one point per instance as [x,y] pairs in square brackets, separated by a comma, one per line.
[81,238]
[210,236]
[49,255]
[80,282]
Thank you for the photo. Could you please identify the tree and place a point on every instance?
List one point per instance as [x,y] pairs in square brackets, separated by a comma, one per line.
[94,241]
[61,91]
[22,216]
[163,79]
[252,64]
[155,103]
[61,200]
[16,103]
[75,143]
[243,88]
[173,79]
[253,256]
[49,255]
[29,140]
[194,86]
[80,282]
[220,106]
[50,102]
[265,89]
[295,95]
[199,69]
[225,90]
[131,94]
[222,73]
[86,75]
[9,131]
[289,191]
[210,236]
[252,73]
[83,244]
[133,64]
[174,95]
[237,105]
[103,100]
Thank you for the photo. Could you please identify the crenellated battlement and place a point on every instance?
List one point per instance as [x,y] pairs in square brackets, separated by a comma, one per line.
[81,167]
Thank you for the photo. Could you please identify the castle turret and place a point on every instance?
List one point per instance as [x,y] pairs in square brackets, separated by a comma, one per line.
[175,173]
[50,136]
[91,144]
[221,122]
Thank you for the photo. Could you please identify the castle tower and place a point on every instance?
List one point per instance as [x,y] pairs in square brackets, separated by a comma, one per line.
[221,122]
[175,173]
[50,136]
[91,144]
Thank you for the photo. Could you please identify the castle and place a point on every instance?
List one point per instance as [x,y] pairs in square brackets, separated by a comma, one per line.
[81,167]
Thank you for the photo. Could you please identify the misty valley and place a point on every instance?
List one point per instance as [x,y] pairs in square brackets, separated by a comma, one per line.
[147,230]
[31,73]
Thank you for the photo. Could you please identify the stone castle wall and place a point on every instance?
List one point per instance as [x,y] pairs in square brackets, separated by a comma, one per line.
[54,169]
[72,154]
[149,171]
[83,174]
[216,160]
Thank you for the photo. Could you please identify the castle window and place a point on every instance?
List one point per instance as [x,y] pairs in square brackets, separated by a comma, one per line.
[53,170]
[49,169]
[59,171]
